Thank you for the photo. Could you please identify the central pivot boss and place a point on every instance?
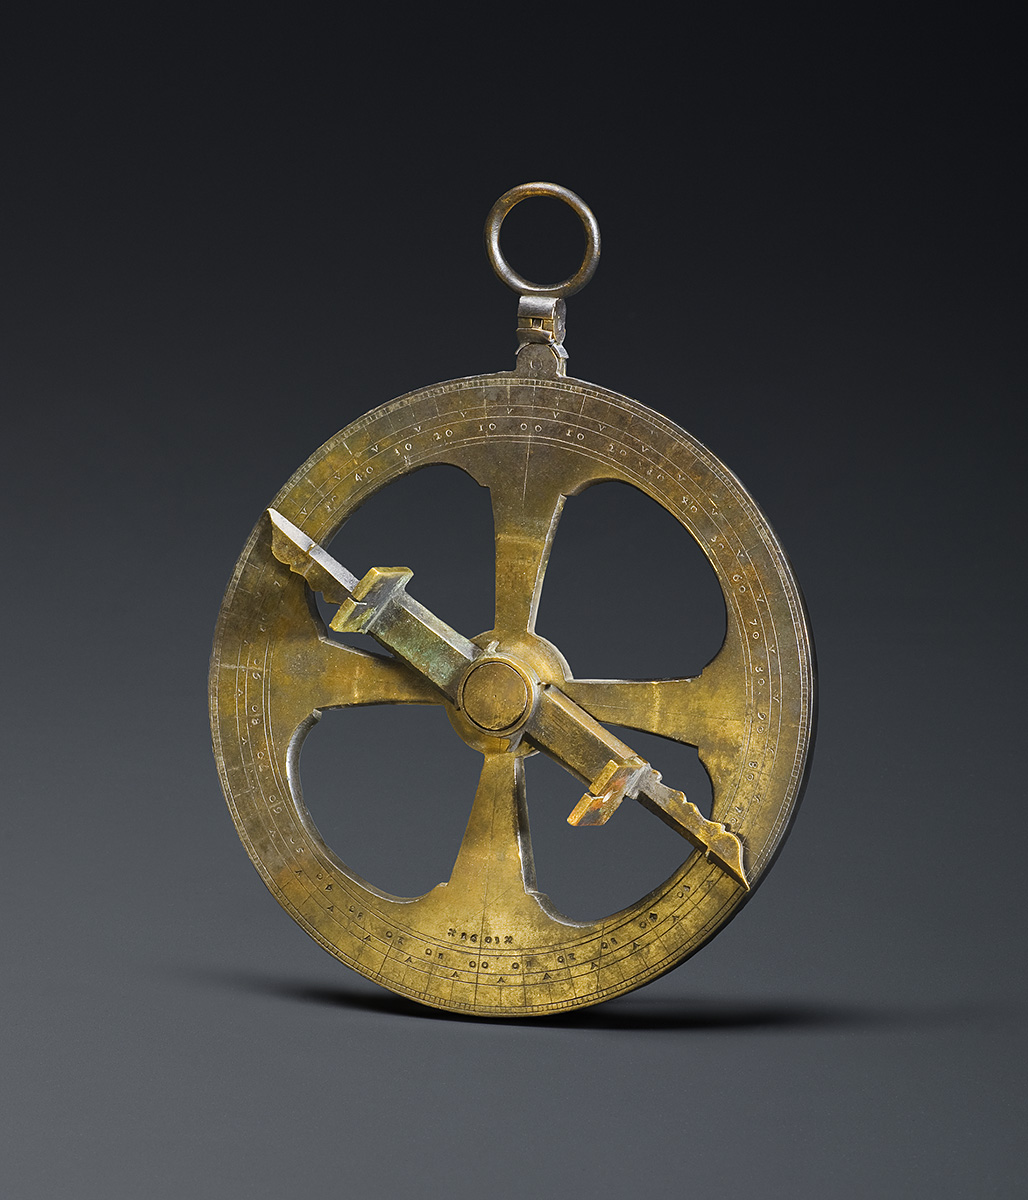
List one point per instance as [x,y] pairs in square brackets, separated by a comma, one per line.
[497,695]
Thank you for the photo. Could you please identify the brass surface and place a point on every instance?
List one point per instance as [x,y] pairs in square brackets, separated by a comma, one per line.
[495,695]
[486,941]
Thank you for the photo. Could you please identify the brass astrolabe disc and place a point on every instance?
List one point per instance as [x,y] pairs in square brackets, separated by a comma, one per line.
[486,941]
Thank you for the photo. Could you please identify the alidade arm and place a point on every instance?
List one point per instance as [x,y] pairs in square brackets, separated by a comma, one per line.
[612,771]
[378,605]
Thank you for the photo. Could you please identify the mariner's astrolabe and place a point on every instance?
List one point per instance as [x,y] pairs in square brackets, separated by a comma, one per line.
[485,940]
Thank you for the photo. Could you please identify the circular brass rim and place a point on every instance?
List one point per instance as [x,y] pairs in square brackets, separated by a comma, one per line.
[411,945]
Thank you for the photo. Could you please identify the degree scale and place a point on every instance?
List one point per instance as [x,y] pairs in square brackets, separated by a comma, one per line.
[487,941]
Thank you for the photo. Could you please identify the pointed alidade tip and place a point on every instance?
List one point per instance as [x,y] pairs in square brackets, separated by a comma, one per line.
[302,555]
[725,849]
[289,544]
[292,533]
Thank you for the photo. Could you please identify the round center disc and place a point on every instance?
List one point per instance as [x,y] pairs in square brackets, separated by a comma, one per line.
[494,696]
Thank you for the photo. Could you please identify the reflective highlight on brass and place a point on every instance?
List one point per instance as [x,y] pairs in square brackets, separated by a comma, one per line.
[486,940]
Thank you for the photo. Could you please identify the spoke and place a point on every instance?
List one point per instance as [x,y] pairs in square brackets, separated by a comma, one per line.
[708,712]
[528,486]
[355,677]
[494,869]
[312,673]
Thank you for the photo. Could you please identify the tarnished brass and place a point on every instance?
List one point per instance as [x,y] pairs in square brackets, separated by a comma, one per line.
[486,941]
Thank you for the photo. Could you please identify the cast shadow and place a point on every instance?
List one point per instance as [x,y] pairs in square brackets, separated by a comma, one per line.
[705,1014]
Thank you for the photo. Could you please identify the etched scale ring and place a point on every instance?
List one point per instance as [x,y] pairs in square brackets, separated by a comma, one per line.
[487,941]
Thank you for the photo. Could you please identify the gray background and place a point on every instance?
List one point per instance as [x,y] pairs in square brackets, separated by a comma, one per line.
[224,238]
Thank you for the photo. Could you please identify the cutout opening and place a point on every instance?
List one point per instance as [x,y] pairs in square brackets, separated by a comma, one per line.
[389,789]
[438,522]
[628,592]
